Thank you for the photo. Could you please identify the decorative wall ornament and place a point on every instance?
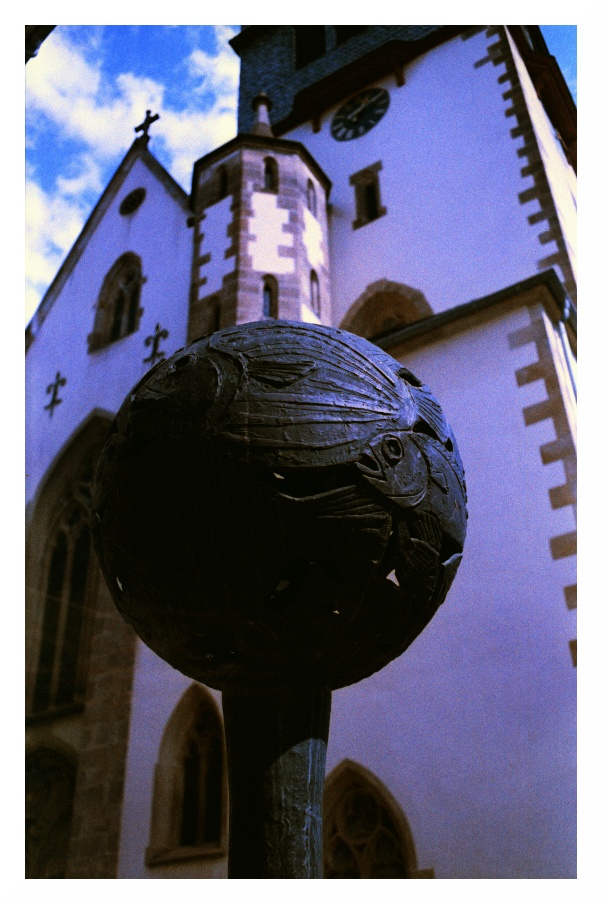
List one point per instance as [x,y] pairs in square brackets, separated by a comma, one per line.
[53,390]
[156,353]
[279,503]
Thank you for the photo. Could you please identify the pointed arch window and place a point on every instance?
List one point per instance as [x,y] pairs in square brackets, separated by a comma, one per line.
[270,297]
[270,174]
[366,835]
[189,799]
[60,677]
[314,292]
[311,198]
[118,309]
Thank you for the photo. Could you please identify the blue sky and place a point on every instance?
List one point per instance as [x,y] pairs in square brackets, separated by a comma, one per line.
[89,87]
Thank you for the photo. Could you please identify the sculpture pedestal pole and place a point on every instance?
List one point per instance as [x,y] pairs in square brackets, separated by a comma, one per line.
[276,740]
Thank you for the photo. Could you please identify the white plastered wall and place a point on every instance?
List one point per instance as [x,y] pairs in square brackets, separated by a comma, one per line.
[449,163]
[157,232]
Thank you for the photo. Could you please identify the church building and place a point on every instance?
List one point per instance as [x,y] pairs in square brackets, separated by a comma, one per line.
[415,185]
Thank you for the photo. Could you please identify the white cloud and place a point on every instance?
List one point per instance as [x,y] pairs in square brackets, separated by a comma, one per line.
[53,222]
[69,97]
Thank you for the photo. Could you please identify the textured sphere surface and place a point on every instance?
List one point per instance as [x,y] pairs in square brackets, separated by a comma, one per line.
[279,503]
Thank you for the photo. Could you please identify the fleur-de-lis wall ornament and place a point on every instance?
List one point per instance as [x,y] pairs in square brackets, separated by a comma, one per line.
[156,353]
[53,390]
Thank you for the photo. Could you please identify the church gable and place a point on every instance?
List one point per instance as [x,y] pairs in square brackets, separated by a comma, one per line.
[118,304]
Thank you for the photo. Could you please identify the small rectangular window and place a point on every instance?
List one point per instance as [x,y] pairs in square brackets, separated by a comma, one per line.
[368,205]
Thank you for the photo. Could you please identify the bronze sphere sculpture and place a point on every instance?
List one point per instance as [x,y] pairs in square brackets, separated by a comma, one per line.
[279,504]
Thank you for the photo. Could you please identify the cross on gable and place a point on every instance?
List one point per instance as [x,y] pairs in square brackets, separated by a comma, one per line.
[53,389]
[145,126]
[154,340]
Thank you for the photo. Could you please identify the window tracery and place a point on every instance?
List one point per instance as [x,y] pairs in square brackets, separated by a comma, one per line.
[365,833]
[189,800]
[118,310]
[60,677]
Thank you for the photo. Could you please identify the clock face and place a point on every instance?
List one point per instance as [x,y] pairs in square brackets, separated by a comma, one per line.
[360,114]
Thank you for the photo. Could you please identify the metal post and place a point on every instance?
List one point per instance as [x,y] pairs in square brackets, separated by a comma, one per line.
[276,739]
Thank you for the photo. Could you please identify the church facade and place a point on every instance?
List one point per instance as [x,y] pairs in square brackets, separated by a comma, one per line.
[414,185]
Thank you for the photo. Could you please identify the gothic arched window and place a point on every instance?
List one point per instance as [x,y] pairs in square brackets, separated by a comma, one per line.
[311,198]
[59,679]
[366,835]
[49,791]
[314,292]
[189,800]
[270,174]
[63,578]
[118,309]
[270,297]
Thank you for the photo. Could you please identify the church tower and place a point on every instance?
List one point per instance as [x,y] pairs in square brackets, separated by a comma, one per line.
[260,245]
[427,132]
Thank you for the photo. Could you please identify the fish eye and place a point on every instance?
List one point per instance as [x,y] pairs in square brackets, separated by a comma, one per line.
[392,449]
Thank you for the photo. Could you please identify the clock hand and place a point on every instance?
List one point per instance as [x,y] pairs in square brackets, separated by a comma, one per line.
[359,109]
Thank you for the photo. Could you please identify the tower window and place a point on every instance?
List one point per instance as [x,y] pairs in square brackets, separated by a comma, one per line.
[314,292]
[310,44]
[222,182]
[344,32]
[118,310]
[311,198]
[368,205]
[270,174]
[270,297]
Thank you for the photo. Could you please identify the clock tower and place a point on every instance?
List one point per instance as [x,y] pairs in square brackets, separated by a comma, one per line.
[425,129]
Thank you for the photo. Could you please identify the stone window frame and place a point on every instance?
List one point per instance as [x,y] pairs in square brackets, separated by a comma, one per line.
[314,293]
[270,175]
[385,305]
[312,199]
[59,680]
[269,297]
[349,842]
[118,309]
[62,504]
[195,720]
[368,204]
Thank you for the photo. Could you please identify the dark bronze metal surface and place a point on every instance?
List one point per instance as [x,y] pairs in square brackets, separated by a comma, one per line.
[279,504]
